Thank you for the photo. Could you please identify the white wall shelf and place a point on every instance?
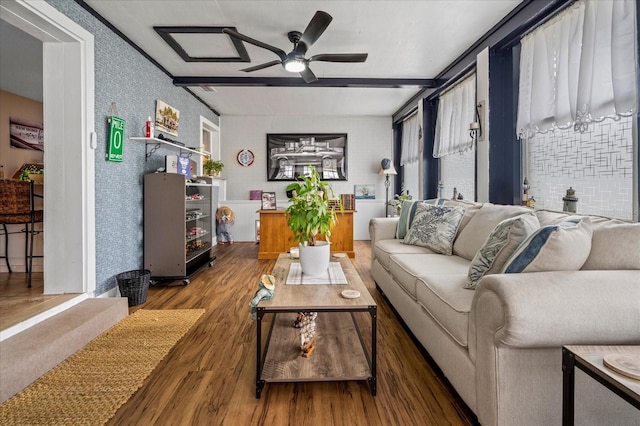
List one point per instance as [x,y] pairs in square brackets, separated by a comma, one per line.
[156,143]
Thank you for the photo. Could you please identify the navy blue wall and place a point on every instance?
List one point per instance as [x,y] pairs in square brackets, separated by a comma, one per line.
[124,76]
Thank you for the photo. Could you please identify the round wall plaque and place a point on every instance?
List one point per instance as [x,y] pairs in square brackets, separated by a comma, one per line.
[245,157]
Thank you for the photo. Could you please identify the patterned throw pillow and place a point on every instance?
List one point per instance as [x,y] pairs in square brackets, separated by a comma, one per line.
[500,244]
[408,212]
[561,247]
[434,227]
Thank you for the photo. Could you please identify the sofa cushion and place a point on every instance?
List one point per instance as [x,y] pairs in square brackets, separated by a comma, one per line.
[550,217]
[444,298]
[435,227]
[407,268]
[562,247]
[408,212]
[385,248]
[615,244]
[500,244]
[470,209]
[480,226]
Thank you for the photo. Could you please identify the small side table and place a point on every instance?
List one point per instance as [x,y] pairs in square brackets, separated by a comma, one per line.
[590,360]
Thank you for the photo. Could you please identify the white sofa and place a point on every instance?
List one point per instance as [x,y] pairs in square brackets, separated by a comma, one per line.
[500,344]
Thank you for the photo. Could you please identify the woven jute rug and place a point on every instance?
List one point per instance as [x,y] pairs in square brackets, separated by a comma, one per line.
[89,386]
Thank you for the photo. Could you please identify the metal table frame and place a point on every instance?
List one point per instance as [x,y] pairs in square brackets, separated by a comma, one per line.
[569,362]
[371,358]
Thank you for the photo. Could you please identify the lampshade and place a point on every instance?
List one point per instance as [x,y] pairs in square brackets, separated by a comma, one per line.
[386,167]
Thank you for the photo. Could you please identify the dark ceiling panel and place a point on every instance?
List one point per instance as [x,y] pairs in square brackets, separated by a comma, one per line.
[165,33]
[299,82]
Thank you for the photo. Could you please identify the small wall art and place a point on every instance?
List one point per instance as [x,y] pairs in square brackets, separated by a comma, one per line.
[26,134]
[268,200]
[365,192]
[167,118]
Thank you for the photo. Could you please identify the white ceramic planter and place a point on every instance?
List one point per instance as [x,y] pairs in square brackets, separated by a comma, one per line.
[314,260]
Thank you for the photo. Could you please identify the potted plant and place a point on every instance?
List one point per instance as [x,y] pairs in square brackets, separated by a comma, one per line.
[310,216]
[212,167]
[397,201]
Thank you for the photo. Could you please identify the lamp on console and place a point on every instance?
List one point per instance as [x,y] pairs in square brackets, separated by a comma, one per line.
[387,169]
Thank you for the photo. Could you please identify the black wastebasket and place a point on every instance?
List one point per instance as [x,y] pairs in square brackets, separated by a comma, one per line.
[134,285]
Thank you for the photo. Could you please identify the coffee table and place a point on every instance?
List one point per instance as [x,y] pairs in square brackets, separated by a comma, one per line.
[341,351]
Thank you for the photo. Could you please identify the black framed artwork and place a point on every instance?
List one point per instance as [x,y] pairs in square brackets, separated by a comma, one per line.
[290,154]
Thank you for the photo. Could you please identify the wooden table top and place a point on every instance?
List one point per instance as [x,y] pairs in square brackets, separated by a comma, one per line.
[310,297]
[594,357]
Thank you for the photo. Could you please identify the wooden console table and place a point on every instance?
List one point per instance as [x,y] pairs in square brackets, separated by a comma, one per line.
[276,237]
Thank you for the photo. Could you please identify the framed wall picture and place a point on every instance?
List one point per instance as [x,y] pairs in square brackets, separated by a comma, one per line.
[268,200]
[365,192]
[290,154]
[167,118]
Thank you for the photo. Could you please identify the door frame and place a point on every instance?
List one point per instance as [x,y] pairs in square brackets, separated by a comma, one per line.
[70,141]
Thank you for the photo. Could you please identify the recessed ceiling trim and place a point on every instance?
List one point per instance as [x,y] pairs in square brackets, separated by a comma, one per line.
[165,33]
[299,82]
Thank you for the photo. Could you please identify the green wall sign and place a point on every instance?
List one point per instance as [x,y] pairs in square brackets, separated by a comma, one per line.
[116,138]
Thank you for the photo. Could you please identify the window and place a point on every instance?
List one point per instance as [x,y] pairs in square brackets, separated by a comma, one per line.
[453,144]
[577,99]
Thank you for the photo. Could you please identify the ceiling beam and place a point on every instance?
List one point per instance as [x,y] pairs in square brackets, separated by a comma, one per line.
[299,82]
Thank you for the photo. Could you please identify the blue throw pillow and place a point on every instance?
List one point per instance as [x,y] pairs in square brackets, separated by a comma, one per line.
[561,247]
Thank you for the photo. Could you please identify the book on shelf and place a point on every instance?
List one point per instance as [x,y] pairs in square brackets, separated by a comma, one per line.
[348,201]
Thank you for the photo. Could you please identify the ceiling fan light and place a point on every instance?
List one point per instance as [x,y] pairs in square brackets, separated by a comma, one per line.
[294,65]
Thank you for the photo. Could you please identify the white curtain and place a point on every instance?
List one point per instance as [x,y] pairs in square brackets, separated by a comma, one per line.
[410,136]
[456,110]
[578,68]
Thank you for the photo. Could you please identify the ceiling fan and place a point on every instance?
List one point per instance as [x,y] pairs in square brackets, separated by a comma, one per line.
[295,60]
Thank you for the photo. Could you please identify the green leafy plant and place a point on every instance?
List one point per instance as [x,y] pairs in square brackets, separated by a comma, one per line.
[310,213]
[31,170]
[398,199]
[212,167]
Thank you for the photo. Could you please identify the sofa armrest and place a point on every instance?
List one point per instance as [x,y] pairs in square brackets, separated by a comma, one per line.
[518,322]
[382,228]
[551,309]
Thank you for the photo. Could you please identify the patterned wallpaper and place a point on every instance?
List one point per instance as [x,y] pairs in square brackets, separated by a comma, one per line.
[124,76]
[598,164]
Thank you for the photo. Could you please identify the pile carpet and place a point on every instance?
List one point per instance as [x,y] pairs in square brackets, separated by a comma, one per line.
[89,386]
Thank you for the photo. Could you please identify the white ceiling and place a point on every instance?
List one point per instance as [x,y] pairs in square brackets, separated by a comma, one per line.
[413,39]
[20,62]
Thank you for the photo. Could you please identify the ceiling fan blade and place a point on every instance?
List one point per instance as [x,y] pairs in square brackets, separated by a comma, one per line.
[262,66]
[340,57]
[308,76]
[316,27]
[281,53]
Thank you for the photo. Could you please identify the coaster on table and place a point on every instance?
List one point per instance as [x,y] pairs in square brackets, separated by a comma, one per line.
[350,294]
[627,365]
[339,255]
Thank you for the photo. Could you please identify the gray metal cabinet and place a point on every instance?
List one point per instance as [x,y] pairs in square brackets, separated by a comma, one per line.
[178,226]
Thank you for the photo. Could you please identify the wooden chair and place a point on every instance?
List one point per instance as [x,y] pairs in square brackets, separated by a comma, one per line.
[17,208]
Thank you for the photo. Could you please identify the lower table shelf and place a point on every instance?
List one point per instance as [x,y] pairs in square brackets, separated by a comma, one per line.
[338,355]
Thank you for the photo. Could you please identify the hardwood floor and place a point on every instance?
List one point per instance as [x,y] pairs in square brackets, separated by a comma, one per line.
[209,376]
[19,302]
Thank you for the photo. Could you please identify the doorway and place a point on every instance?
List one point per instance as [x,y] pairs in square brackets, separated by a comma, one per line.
[68,111]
